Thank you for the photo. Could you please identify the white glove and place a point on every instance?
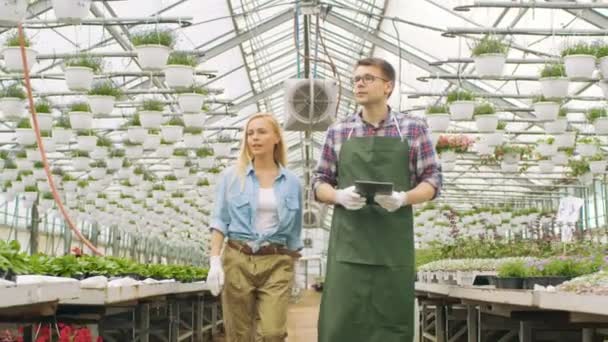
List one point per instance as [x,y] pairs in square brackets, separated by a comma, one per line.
[392,202]
[215,277]
[349,199]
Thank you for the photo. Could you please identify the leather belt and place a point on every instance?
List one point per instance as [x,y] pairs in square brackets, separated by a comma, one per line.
[271,249]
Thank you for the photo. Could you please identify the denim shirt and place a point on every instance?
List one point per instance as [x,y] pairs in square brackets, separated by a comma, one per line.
[235,208]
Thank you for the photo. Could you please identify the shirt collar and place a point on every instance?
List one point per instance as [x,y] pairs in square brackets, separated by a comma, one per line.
[387,122]
[250,170]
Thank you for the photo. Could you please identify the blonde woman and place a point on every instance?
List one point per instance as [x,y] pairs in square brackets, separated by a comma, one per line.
[258,210]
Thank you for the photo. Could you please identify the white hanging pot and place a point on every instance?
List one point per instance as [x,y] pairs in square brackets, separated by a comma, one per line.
[205,163]
[79,78]
[135,151]
[222,149]
[98,172]
[552,87]
[598,166]
[601,126]
[123,173]
[566,139]
[10,174]
[114,163]
[193,140]
[448,156]
[81,120]
[33,155]
[165,151]
[45,121]
[12,107]
[62,135]
[546,111]
[171,185]
[39,174]
[190,103]
[507,167]
[152,142]
[546,166]
[511,158]
[462,110]
[493,139]
[483,148]
[448,166]
[25,136]
[12,12]
[560,158]
[603,65]
[194,120]
[99,153]
[486,123]
[586,179]
[579,66]
[558,126]
[438,122]
[100,104]
[71,11]
[179,76]
[150,119]
[177,162]
[490,64]
[137,134]
[81,163]
[604,86]
[172,133]
[546,150]
[12,56]
[586,150]
[181,173]
[152,57]
[86,142]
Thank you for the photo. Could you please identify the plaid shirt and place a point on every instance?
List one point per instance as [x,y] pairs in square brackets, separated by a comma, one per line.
[423,162]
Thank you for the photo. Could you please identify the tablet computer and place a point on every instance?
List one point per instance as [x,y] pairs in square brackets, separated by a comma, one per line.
[369,189]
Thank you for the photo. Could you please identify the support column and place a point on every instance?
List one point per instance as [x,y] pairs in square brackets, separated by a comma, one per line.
[472,323]
[143,311]
[199,310]
[440,323]
[588,335]
[525,332]
[34,229]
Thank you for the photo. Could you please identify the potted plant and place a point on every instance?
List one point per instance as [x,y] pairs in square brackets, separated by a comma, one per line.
[597,164]
[191,99]
[495,139]
[38,170]
[102,97]
[24,132]
[44,116]
[489,55]
[511,275]
[579,168]
[193,137]
[559,125]
[546,109]
[71,11]
[133,150]
[579,60]
[165,150]
[178,161]
[62,130]
[114,161]
[46,201]
[170,182]
[80,116]
[12,53]
[438,117]
[461,104]
[486,118]
[510,154]
[545,164]
[47,141]
[179,72]
[194,119]
[102,146]
[86,140]
[153,139]
[135,132]
[588,146]
[448,146]
[563,155]
[151,114]
[546,147]
[203,154]
[153,48]
[173,130]
[566,139]
[223,145]
[13,12]
[598,117]
[80,160]
[553,81]
[12,101]
[79,71]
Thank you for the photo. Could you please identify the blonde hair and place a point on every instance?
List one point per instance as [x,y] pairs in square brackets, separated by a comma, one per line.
[245,157]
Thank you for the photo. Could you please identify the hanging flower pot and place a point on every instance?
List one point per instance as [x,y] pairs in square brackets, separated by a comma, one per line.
[509,167]
[165,150]
[546,148]
[137,135]
[173,130]
[152,142]
[558,126]
[80,116]
[546,110]
[12,12]
[485,118]
[447,156]
[193,140]
[25,136]
[179,76]
[490,64]
[194,120]
[62,135]
[134,151]
[553,81]
[462,110]
[12,57]
[86,142]
[587,147]
[438,118]
[579,60]
[151,119]
[599,118]
[598,166]
[81,163]
[177,162]
[33,155]
[12,102]
[79,78]
[483,148]
[45,121]
[546,166]
[205,163]
[566,139]
[97,172]
[560,158]
[49,144]
[493,139]
[103,105]
[71,11]
[222,149]
[114,163]
[181,173]
[99,152]
[153,48]
[190,102]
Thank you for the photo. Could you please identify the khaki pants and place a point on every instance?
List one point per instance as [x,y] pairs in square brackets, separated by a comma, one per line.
[256,295]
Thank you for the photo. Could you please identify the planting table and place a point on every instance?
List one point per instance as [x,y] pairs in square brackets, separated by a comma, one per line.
[34,300]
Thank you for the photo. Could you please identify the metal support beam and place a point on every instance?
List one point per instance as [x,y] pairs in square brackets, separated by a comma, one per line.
[34,229]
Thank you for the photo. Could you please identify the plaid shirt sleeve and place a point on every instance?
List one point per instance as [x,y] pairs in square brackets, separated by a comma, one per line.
[424,159]
[326,171]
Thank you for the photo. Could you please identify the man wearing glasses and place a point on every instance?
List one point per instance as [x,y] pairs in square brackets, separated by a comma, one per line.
[368,294]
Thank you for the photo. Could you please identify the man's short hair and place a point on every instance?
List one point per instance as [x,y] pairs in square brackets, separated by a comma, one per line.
[386,67]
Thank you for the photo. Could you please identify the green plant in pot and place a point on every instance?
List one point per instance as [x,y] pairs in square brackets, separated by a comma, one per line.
[489,55]
[85,61]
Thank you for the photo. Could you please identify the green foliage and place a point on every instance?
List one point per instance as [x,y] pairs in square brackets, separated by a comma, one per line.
[601,50]
[193,89]
[437,109]
[158,187]
[513,269]
[153,106]
[580,48]
[24,123]
[105,88]
[13,40]
[85,61]
[553,70]
[80,107]
[182,58]
[135,121]
[180,152]
[595,113]
[11,257]
[103,141]
[175,121]
[38,165]
[153,37]
[193,130]
[563,112]
[13,91]
[484,109]
[79,153]
[578,167]
[170,178]
[215,170]
[31,188]
[460,95]
[541,98]
[204,152]
[43,107]
[489,45]
[47,195]
[501,125]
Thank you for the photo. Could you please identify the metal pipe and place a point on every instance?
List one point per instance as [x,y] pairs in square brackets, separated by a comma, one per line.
[182,21]
[531,5]
[508,61]
[416,94]
[61,75]
[54,56]
[446,76]
[455,31]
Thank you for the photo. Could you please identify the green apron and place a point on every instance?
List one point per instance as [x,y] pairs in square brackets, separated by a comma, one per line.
[368,294]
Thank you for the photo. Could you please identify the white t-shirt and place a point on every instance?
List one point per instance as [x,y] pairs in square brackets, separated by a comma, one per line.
[267,214]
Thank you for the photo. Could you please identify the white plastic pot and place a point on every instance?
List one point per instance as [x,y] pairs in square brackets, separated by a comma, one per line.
[193,140]
[12,11]
[134,151]
[462,110]
[99,153]
[179,76]
[33,155]
[558,126]
[25,136]
[194,120]
[546,150]
[448,166]
[86,142]
[493,139]
[81,120]
[45,121]
[511,158]
[114,163]
[171,185]
[49,144]
[101,104]
[181,174]
[177,162]
[554,87]
[546,111]
[447,156]
[604,86]
[150,119]
[172,133]
[71,10]
[586,179]
[97,172]
[507,167]
[566,139]
[190,103]
[579,66]
[62,135]
[152,57]
[221,149]
[81,163]
[438,122]
[164,151]
[12,107]
[546,166]
[486,123]
[560,158]
[205,163]
[597,166]
[12,56]
[152,142]
[79,78]
[483,148]
[490,64]
[586,150]
[137,134]
[601,125]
